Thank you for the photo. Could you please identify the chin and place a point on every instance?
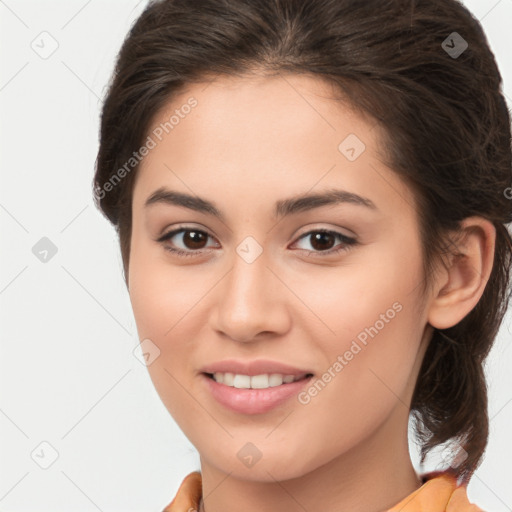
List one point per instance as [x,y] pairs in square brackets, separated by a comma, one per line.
[274,463]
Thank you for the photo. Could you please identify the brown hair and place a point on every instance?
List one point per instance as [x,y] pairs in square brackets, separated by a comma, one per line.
[446,128]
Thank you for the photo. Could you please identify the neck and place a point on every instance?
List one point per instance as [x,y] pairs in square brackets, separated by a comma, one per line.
[371,477]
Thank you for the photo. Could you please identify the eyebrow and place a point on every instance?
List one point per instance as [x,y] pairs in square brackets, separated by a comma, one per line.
[283,207]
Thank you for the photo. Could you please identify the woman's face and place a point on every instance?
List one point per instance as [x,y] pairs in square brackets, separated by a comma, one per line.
[260,281]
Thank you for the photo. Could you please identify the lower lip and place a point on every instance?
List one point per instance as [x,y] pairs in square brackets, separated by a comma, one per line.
[253,401]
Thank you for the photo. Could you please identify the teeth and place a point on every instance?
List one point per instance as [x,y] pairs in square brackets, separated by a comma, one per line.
[256,381]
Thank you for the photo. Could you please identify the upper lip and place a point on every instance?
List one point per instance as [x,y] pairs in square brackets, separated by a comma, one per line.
[256,367]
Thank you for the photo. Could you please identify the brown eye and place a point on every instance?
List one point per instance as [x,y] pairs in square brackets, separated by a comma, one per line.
[193,241]
[321,240]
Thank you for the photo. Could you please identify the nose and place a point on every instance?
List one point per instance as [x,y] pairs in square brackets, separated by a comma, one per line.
[251,301]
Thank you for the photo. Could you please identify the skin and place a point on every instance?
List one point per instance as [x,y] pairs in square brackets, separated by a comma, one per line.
[250,142]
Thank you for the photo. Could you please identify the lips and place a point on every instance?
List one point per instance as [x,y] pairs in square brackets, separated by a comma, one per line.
[254,367]
[254,401]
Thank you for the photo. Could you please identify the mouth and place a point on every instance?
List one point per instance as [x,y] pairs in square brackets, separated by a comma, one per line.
[262,381]
[237,393]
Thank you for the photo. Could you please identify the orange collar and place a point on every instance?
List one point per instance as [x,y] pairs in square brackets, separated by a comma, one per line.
[439,493]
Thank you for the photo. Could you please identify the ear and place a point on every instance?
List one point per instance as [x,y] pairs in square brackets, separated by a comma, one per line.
[460,286]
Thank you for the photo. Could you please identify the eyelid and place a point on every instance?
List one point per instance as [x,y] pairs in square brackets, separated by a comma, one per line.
[335,229]
[296,236]
[184,227]
[347,242]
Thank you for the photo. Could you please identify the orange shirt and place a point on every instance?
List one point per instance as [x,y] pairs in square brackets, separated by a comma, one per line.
[439,493]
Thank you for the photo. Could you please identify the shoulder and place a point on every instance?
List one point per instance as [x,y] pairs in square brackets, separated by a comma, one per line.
[188,494]
[458,500]
[440,492]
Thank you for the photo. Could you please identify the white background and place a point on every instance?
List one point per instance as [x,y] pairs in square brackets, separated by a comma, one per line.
[68,375]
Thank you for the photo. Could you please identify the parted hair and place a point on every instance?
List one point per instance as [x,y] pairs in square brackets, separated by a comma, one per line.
[402,63]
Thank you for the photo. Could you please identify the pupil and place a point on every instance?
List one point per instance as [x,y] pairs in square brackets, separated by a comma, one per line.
[194,237]
[320,237]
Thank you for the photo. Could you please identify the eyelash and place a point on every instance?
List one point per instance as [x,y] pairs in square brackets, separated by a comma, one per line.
[348,242]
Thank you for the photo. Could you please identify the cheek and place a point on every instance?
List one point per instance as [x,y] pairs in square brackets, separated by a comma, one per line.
[347,301]
[160,295]
[166,305]
[165,311]
[361,386]
[375,285]
[366,324]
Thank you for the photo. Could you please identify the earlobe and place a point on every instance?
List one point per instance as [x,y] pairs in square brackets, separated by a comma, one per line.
[461,285]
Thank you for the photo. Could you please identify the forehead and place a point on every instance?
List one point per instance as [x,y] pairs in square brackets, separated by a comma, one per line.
[259,114]
[262,133]
[285,104]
